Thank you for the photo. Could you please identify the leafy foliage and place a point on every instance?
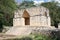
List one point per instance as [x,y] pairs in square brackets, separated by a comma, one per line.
[54,12]
[7,8]
[33,37]
[26,4]
[41,37]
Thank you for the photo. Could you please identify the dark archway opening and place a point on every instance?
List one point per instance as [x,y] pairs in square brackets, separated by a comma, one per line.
[26,17]
[45,14]
[27,21]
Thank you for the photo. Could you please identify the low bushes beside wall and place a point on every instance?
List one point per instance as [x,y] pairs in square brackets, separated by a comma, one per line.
[32,37]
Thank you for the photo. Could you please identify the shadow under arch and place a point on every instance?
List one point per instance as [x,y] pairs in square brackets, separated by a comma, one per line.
[26,17]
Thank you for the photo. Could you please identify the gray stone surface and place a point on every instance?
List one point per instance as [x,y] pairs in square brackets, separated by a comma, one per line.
[39,16]
[26,30]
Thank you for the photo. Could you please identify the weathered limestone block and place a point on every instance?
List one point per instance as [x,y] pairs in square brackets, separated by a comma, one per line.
[29,20]
[39,16]
[18,22]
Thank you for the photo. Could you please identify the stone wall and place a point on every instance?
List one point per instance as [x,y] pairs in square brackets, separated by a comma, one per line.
[37,17]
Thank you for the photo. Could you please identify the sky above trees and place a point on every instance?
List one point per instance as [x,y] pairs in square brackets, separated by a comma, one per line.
[38,0]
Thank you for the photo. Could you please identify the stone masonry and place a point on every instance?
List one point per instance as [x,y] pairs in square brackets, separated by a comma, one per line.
[29,19]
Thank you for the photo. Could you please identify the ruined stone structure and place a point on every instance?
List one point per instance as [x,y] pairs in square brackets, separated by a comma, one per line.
[35,16]
[29,20]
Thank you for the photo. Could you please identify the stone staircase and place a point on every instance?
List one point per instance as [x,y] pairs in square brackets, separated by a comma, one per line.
[26,30]
[19,30]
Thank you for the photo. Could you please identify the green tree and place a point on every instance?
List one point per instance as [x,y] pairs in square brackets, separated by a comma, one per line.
[26,4]
[7,8]
[54,12]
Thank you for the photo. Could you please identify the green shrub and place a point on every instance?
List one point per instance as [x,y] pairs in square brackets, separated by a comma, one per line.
[26,38]
[34,37]
[23,38]
[42,37]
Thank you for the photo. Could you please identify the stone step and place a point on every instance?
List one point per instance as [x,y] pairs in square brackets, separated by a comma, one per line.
[18,30]
[26,30]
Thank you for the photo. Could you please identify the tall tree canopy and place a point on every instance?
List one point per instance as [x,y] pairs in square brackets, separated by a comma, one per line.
[7,8]
[54,12]
[26,4]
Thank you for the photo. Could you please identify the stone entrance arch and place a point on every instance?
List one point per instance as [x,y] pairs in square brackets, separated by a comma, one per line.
[26,17]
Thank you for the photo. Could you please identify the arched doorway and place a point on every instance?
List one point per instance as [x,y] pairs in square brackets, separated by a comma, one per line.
[45,14]
[26,17]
